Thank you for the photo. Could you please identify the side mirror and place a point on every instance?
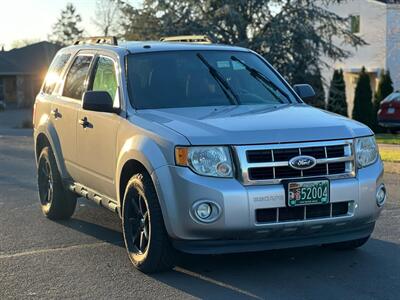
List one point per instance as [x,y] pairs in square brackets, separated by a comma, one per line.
[305,91]
[97,101]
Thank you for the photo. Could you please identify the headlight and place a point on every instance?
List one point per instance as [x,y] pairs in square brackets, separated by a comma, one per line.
[366,151]
[208,161]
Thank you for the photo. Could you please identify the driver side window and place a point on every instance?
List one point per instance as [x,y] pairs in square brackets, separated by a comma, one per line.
[105,79]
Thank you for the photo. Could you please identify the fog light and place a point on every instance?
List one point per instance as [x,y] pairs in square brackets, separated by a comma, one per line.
[381,195]
[204,210]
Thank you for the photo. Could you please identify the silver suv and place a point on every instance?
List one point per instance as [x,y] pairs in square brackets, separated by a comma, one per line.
[203,149]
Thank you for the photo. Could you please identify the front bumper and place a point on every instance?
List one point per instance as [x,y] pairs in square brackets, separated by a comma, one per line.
[390,123]
[237,230]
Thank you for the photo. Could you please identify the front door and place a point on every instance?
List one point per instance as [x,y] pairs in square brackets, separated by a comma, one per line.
[96,143]
[64,110]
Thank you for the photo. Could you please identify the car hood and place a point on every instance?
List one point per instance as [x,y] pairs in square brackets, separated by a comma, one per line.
[255,124]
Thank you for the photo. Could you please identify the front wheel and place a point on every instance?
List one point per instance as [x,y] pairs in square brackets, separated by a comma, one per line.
[348,245]
[57,203]
[145,236]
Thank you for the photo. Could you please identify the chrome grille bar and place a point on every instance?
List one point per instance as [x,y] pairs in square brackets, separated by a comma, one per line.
[332,168]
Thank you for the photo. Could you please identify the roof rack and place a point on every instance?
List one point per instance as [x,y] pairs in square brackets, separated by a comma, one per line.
[198,39]
[110,40]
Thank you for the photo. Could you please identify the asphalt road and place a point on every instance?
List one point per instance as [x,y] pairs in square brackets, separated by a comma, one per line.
[85,258]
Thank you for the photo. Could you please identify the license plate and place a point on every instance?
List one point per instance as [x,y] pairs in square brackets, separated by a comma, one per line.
[391,110]
[308,192]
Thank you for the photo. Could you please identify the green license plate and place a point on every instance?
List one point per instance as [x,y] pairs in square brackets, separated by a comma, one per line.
[308,192]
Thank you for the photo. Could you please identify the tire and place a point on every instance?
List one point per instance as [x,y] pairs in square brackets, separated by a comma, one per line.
[348,245]
[146,239]
[57,203]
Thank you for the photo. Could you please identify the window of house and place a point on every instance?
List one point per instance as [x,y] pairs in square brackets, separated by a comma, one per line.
[74,85]
[105,78]
[355,23]
[54,73]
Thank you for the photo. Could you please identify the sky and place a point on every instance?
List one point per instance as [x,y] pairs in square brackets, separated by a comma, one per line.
[33,19]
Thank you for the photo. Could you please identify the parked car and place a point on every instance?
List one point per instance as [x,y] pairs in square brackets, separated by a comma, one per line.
[389,112]
[200,148]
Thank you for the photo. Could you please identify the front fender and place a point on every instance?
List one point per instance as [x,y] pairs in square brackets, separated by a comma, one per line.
[47,128]
[142,149]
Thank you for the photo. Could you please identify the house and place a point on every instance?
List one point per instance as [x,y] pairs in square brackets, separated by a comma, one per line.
[22,71]
[378,23]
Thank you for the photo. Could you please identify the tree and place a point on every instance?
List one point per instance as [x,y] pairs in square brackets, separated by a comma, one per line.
[315,80]
[66,29]
[337,94]
[385,88]
[363,110]
[107,12]
[292,35]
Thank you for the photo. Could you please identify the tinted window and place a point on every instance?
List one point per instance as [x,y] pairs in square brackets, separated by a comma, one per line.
[105,78]
[75,81]
[54,73]
[182,79]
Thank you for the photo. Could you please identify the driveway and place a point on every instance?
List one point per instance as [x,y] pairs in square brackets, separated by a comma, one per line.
[85,257]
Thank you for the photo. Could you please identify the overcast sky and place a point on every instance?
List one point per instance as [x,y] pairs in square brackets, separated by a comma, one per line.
[33,19]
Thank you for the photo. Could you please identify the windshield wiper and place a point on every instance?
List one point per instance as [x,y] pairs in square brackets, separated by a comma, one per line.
[266,82]
[228,91]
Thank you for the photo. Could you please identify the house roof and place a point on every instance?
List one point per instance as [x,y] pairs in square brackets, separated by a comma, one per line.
[32,59]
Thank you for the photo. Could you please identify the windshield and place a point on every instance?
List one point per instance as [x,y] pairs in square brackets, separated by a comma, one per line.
[203,78]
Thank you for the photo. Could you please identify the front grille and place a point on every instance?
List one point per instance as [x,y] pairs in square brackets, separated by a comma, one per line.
[299,213]
[270,163]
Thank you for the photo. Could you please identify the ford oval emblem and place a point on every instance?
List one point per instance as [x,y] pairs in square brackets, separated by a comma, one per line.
[302,162]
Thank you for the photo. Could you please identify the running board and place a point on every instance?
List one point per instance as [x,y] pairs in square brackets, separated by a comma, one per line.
[90,194]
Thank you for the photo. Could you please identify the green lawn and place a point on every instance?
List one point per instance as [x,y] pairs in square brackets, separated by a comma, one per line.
[390,155]
[386,138]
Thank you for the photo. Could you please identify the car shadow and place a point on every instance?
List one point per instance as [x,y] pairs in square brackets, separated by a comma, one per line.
[371,272]
[97,222]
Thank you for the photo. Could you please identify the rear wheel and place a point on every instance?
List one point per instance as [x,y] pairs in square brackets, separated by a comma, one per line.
[56,202]
[145,236]
[348,245]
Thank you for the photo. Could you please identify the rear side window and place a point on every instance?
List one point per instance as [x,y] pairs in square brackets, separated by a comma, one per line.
[75,81]
[54,74]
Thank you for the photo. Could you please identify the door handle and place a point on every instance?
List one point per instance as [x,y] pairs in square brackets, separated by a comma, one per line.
[84,123]
[55,113]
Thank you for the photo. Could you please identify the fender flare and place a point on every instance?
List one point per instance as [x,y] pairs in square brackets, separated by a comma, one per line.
[143,150]
[48,130]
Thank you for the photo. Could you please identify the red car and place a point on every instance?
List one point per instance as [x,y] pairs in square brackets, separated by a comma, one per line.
[389,112]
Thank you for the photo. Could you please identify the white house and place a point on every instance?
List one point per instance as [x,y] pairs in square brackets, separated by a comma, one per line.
[378,23]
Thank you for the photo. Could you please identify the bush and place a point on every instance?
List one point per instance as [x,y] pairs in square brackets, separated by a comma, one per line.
[27,124]
[337,94]
[363,110]
[385,88]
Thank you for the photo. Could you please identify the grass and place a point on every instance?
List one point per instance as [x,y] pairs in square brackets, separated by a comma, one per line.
[390,155]
[386,138]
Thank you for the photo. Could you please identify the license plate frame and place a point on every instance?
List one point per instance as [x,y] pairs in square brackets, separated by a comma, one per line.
[295,194]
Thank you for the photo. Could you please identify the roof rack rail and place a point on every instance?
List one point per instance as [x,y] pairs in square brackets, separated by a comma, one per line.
[198,39]
[110,40]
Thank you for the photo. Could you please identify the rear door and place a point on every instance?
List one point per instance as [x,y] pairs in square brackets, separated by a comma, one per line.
[96,144]
[65,110]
